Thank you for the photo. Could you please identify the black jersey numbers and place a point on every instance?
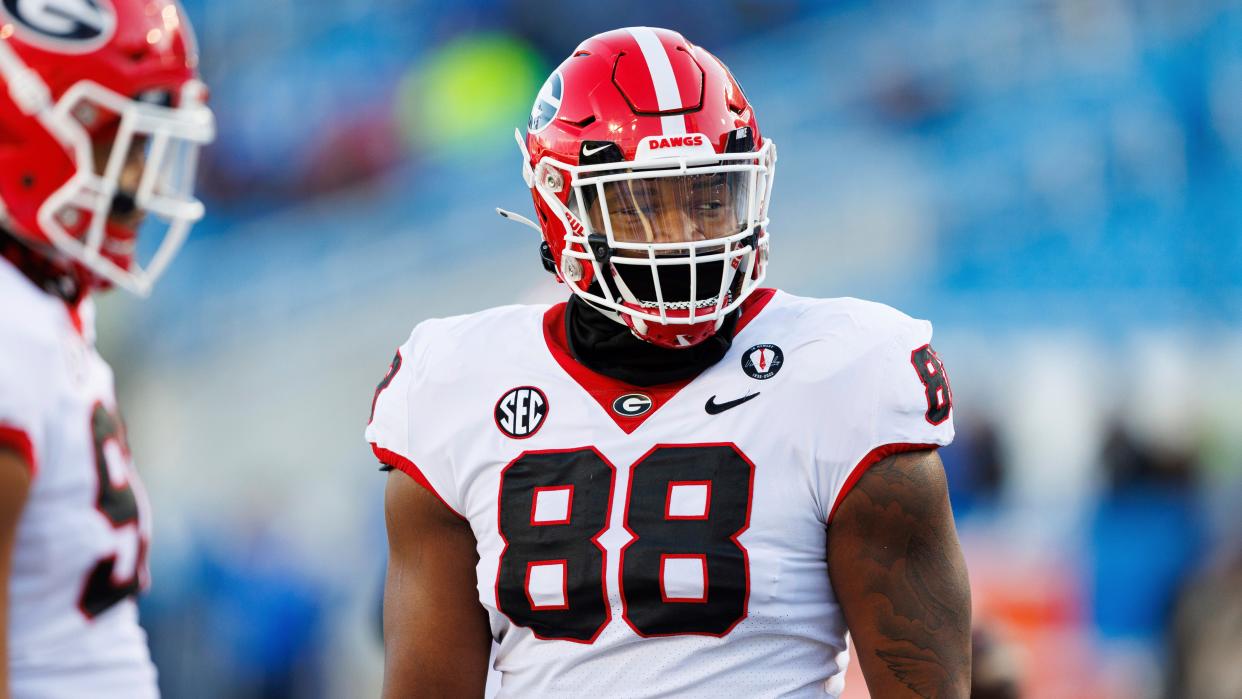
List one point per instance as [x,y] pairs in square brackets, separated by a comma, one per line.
[553,508]
[685,572]
[935,383]
[682,572]
[116,501]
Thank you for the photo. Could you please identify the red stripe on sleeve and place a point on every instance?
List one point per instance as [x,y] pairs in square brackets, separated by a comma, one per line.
[399,462]
[17,440]
[872,458]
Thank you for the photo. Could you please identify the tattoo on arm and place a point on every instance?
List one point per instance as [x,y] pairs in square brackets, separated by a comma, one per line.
[898,572]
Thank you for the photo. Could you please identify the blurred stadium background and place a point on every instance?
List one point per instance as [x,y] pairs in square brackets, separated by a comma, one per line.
[1056,184]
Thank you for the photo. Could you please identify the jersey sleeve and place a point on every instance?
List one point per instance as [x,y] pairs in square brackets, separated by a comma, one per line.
[25,389]
[911,403]
[400,427]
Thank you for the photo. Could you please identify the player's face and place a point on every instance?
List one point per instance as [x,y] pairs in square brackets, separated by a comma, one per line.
[124,213]
[683,209]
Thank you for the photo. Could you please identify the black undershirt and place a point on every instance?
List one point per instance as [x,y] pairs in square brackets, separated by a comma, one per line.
[40,270]
[609,348]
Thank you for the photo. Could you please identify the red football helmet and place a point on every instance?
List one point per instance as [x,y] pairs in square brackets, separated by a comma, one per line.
[88,88]
[651,182]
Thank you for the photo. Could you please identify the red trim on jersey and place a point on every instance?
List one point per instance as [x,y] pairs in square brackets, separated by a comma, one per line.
[605,389]
[872,458]
[752,307]
[399,462]
[75,316]
[16,439]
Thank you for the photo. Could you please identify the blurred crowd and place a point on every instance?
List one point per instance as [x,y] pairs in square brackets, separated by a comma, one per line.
[1055,184]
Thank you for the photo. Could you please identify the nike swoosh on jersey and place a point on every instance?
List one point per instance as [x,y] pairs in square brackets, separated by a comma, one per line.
[714,408]
[592,151]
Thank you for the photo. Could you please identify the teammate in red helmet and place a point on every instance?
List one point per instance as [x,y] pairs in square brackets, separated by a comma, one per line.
[678,482]
[101,117]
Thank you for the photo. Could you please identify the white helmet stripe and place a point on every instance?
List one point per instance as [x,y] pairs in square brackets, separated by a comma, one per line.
[668,96]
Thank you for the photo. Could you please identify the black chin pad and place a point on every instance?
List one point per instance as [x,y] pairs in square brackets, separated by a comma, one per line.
[123,204]
[674,281]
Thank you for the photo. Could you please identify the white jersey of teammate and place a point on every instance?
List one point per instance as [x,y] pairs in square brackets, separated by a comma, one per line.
[666,541]
[81,542]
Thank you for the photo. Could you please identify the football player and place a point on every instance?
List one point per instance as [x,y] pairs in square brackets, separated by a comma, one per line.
[101,117]
[678,483]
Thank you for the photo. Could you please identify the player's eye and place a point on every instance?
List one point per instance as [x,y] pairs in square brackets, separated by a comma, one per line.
[639,210]
[637,204]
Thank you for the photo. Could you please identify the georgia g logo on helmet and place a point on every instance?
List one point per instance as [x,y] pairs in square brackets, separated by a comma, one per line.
[67,26]
[547,104]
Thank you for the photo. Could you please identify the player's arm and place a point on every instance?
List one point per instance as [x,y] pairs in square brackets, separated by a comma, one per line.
[436,635]
[14,487]
[898,573]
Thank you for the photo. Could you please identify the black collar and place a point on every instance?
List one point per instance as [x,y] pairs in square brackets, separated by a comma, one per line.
[609,348]
[41,270]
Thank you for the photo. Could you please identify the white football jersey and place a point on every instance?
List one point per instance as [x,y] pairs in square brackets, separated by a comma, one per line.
[665,541]
[81,542]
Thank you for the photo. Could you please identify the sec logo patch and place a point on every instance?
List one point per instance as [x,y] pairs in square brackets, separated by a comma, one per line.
[521,411]
[547,103]
[762,361]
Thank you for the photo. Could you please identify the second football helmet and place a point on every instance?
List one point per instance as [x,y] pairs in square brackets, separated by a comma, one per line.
[87,89]
[651,183]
